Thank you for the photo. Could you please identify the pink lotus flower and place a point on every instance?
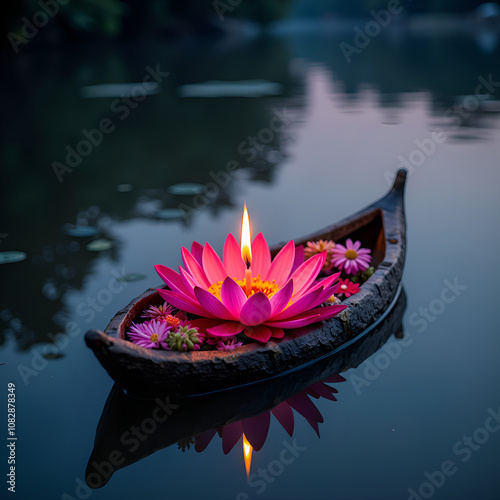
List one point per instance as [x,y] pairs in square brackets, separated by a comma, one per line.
[351,257]
[348,288]
[284,293]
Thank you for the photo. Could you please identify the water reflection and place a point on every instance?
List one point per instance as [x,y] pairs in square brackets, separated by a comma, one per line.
[167,140]
[131,429]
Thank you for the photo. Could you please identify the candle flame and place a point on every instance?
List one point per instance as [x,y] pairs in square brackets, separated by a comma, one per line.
[246,246]
[247,453]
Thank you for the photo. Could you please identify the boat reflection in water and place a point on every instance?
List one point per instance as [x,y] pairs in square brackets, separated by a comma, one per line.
[132,429]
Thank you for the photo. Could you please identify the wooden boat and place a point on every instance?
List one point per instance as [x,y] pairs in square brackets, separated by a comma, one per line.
[201,414]
[149,373]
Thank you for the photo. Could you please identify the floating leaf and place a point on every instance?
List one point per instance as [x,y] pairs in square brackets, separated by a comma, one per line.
[186,189]
[107,90]
[170,213]
[8,257]
[124,188]
[82,231]
[129,278]
[242,88]
[99,245]
[53,355]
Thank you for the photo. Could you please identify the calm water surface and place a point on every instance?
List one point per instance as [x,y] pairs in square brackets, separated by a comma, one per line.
[344,130]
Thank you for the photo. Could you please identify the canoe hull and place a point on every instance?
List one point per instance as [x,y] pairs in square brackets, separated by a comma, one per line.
[151,373]
[206,413]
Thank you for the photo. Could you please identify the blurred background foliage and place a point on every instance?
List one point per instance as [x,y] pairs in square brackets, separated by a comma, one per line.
[77,19]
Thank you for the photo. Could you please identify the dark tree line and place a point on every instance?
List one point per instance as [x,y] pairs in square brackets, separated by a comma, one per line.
[363,7]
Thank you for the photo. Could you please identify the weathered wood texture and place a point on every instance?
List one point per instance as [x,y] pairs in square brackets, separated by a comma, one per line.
[381,227]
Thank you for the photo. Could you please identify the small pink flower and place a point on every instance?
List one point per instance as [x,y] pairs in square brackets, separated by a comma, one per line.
[351,257]
[164,312]
[228,345]
[157,312]
[316,247]
[151,334]
[348,288]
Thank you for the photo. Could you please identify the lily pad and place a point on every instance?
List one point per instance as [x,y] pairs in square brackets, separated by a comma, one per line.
[186,189]
[219,88]
[170,213]
[8,257]
[129,278]
[99,245]
[82,231]
[108,90]
[53,355]
[124,188]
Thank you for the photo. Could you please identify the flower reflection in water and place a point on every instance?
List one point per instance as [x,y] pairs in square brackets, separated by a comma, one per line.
[254,430]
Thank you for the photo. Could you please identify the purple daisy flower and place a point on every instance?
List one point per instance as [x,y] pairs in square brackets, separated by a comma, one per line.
[351,257]
[151,334]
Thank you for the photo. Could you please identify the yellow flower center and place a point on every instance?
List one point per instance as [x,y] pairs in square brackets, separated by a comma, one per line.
[351,254]
[172,320]
[154,337]
[269,288]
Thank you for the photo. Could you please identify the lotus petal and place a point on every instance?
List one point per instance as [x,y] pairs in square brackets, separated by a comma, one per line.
[231,434]
[256,429]
[261,333]
[256,310]
[297,322]
[261,256]
[233,263]
[183,303]
[277,333]
[281,298]
[204,324]
[232,296]
[211,303]
[284,415]
[227,329]
[197,252]
[171,279]
[282,264]
[305,303]
[302,404]
[189,282]
[299,257]
[306,273]
[194,269]
[212,265]
[314,425]
[203,440]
